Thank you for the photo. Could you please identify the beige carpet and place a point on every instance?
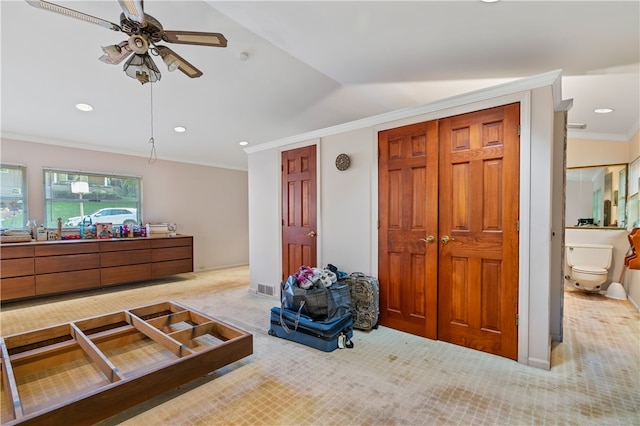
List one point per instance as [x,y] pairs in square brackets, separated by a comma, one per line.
[388,378]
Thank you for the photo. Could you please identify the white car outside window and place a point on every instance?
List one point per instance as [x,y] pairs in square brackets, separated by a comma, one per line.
[114,215]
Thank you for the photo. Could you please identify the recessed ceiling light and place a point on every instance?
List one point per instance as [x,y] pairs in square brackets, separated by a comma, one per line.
[603,110]
[489,1]
[180,129]
[243,143]
[84,107]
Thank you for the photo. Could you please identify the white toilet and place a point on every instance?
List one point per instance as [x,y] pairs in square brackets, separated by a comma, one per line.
[589,264]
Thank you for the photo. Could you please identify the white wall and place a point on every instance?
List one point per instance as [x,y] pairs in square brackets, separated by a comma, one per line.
[207,202]
[556,313]
[540,252]
[265,219]
[348,200]
[346,196]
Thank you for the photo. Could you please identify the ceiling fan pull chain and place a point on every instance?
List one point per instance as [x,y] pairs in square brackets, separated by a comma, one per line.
[153,156]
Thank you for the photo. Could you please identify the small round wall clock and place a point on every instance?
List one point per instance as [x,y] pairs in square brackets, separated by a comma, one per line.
[343,162]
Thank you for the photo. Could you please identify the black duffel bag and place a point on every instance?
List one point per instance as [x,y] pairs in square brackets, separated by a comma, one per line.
[313,302]
[339,300]
[318,302]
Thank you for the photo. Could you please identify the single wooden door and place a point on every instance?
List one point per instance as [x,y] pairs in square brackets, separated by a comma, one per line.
[478,217]
[299,215]
[408,213]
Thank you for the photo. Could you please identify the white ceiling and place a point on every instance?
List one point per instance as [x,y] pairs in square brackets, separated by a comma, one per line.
[310,65]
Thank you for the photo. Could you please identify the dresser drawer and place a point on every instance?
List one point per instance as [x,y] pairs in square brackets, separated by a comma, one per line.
[121,258]
[67,281]
[15,288]
[171,242]
[171,253]
[125,274]
[120,245]
[13,252]
[172,267]
[16,267]
[66,247]
[72,262]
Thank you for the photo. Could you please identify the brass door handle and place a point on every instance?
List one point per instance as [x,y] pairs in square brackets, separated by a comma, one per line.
[446,239]
[430,239]
[312,234]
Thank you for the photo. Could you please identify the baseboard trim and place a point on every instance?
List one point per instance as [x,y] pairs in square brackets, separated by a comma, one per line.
[634,303]
[539,363]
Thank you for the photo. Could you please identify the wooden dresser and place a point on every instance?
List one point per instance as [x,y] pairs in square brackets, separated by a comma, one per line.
[48,267]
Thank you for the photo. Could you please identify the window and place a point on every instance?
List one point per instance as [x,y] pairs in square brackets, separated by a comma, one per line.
[74,196]
[13,196]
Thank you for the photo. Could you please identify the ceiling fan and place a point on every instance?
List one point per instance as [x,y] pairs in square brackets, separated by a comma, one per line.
[144,33]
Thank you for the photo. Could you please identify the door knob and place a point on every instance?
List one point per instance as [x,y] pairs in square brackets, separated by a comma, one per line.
[430,239]
[446,239]
[312,234]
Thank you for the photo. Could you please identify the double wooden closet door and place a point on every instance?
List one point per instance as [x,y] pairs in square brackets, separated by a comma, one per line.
[448,229]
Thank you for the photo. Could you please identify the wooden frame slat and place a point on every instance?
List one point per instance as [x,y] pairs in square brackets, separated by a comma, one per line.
[109,370]
[177,348]
[9,383]
[192,333]
[155,309]
[36,336]
[172,318]
[101,322]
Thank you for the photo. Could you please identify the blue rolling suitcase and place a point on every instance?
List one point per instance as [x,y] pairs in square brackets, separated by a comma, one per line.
[322,335]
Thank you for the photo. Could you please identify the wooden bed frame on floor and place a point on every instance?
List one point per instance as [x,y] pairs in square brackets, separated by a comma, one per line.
[88,370]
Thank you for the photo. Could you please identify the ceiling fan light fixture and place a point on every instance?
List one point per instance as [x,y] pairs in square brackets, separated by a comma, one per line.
[142,68]
[171,62]
[112,51]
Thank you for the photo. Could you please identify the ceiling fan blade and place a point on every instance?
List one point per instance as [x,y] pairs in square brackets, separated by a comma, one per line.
[134,11]
[194,37]
[170,57]
[112,56]
[74,14]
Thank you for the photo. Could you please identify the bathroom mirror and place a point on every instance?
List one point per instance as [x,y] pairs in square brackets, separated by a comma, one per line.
[596,197]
